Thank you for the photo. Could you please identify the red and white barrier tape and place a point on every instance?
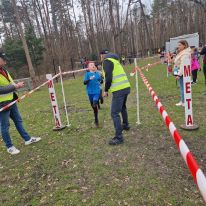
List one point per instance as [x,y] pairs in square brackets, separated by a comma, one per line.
[196,172]
[75,71]
[27,94]
[146,67]
[30,92]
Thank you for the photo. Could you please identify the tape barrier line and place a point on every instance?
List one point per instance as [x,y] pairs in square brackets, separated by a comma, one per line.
[27,94]
[30,92]
[196,172]
[75,71]
[146,67]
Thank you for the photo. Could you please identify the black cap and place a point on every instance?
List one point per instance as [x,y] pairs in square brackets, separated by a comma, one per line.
[3,55]
[104,51]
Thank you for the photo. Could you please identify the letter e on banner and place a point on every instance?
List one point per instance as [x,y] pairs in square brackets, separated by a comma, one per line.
[188,87]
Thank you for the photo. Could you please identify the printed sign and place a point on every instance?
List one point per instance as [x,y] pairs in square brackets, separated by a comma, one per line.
[54,103]
[187,92]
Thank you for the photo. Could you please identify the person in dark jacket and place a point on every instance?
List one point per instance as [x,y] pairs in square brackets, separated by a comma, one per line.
[117,83]
[203,52]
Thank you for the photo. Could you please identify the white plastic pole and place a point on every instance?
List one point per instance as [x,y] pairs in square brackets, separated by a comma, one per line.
[137,91]
[167,64]
[64,99]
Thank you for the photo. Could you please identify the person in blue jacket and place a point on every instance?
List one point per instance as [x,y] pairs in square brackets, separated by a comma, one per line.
[93,81]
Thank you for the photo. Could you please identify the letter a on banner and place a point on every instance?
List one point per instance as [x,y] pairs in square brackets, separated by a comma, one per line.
[189,122]
[55,108]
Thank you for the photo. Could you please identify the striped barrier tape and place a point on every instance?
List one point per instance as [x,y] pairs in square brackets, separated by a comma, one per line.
[30,92]
[25,95]
[146,67]
[196,172]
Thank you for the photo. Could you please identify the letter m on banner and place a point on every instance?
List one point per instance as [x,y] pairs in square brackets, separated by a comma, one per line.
[187,70]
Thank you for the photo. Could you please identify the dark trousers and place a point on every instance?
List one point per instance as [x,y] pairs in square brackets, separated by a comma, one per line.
[204,71]
[194,75]
[118,106]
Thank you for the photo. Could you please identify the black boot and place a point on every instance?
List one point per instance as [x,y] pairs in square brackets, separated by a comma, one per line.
[116,141]
[95,108]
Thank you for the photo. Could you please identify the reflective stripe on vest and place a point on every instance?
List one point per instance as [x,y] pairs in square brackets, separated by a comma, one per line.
[3,95]
[119,77]
[5,82]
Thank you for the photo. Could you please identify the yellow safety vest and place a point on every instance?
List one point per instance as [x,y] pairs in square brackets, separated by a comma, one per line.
[4,82]
[119,77]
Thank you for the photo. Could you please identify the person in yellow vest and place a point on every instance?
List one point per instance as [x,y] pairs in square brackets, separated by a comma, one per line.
[7,95]
[116,82]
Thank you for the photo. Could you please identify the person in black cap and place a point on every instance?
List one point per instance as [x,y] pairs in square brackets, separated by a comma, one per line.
[7,96]
[117,83]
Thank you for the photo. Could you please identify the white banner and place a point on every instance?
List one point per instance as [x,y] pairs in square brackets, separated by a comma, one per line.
[54,103]
[187,91]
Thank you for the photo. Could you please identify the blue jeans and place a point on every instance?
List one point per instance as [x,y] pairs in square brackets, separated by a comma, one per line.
[181,84]
[14,114]
[118,106]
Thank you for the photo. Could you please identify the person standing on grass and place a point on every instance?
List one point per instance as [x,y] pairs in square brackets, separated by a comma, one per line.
[93,79]
[183,52]
[203,52]
[7,95]
[117,83]
[195,66]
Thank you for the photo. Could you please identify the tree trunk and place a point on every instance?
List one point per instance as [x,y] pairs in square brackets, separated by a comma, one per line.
[23,39]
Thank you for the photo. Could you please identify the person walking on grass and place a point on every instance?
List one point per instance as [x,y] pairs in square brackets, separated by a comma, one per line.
[7,95]
[183,52]
[117,83]
[92,80]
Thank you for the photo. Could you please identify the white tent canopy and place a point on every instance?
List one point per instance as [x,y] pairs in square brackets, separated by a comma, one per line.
[192,39]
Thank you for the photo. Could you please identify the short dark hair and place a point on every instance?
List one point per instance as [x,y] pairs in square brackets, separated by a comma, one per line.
[104,51]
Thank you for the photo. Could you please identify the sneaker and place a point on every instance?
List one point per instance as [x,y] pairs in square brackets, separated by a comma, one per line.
[116,141]
[126,128]
[33,140]
[179,104]
[193,82]
[12,150]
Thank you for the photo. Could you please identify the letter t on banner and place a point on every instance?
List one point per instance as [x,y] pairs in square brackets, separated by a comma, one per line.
[189,122]
[55,108]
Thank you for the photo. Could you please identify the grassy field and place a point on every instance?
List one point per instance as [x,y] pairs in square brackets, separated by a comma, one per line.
[77,167]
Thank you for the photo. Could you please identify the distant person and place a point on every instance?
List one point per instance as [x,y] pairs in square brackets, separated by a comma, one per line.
[123,59]
[195,66]
[117,83]
[162,57]
[92,80]
[82,62]
[183,51]
[203,52]
[12,112]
